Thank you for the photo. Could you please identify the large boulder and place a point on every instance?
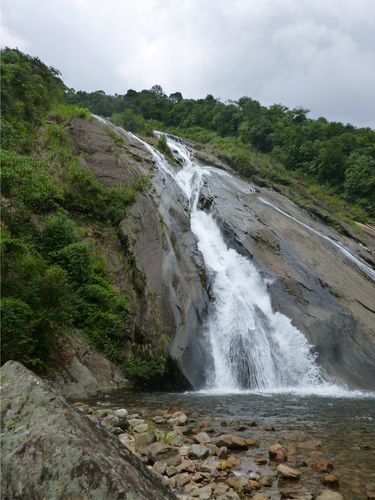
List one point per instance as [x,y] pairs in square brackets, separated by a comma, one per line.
[50,450]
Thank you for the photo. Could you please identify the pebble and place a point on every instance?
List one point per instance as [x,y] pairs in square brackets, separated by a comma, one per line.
[288,472]
[121,413]
[329,495]
[330,480]
[198,451]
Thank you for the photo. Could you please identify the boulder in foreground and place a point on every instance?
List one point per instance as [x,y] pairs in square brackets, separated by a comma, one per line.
[50,450]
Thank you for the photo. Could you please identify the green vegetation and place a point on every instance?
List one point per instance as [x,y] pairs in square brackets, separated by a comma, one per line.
[54,279]
[146,372]
[314,161]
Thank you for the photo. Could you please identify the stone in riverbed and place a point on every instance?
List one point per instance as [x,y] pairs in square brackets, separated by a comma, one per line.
[273,449]
[239,484]
[203,493]
[287,472]
[280,456]
[210,465]
[121,413]
[231,441]
[178,418]
[309,445]
[266,480]
[159,467]
[198,451]
[159,420]
[232,461]
[171,471]
[202,438]
[156,452]
[128,441]
[144,439]
[136,421]
[187,466]
[260,496]
[184,450]
[251,443]
[322,466]
[330,480]
[294,491]
[221,489]
[261,459]
[182,479]
[329,495]
[141,428]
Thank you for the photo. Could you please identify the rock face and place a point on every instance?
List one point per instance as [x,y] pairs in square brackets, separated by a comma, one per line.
[85,372]
[49,450]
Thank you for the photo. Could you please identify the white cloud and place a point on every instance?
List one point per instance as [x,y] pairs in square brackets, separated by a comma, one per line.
[320,54]
[8,39]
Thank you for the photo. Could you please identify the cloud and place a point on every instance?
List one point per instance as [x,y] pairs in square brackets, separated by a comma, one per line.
[319,55]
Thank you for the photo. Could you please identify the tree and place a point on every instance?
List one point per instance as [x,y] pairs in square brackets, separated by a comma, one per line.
[359,175]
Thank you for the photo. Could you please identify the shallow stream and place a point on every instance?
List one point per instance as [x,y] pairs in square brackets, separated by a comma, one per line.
[344,425]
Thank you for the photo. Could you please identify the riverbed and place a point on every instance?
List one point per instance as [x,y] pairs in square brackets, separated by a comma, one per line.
[337,427]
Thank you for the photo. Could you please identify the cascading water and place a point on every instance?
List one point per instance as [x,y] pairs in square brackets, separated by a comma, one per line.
[253,347]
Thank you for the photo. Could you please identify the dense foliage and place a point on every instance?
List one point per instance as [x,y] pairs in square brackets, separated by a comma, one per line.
[338,157]
[54,279]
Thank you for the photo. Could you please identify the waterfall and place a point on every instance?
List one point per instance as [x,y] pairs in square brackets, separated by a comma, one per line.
[252,346]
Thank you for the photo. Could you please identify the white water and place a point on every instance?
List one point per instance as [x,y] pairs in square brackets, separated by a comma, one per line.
[253,347]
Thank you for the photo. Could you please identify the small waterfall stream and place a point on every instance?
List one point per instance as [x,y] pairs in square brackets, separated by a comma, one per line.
[252,346]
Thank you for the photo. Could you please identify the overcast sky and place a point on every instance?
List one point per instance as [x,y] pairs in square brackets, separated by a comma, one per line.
[318,54]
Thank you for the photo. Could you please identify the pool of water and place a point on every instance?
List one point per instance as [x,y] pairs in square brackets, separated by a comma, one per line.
[344,425]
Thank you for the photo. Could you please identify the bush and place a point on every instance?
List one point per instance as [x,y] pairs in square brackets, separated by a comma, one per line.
[17,342]
[23,178]
[58,231]
[76,260]
[146,373]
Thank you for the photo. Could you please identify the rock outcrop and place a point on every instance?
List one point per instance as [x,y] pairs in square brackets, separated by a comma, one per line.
[85,373]
[50,450]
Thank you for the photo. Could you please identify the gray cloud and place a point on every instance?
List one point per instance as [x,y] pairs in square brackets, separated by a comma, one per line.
[319,55]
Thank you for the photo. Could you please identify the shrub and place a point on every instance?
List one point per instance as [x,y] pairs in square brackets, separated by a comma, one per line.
[17,342]
[23,178]
[145,373]
[76,260]
[58,231]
